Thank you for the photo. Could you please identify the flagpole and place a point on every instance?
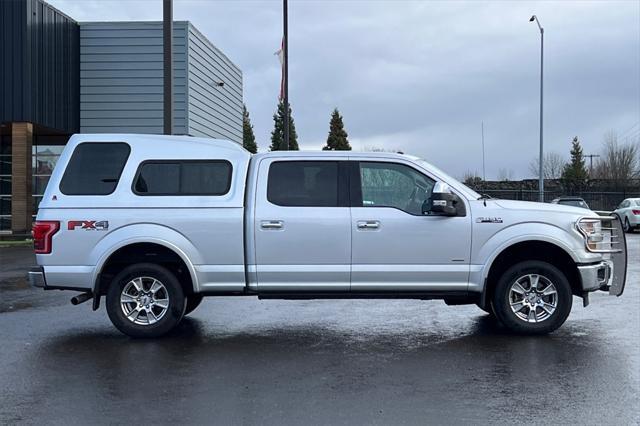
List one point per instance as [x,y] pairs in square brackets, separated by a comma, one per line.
[286,74]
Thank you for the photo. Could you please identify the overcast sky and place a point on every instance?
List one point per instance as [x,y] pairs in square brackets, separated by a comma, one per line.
[421,76]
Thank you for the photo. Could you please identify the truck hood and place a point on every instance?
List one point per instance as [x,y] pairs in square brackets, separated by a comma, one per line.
[543,207]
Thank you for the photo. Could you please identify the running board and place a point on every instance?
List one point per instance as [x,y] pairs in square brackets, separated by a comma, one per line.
[452,297]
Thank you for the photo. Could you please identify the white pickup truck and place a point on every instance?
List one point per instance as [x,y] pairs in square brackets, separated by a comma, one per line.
[154,223]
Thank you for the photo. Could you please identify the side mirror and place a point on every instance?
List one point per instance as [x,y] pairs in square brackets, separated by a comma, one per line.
[442,202]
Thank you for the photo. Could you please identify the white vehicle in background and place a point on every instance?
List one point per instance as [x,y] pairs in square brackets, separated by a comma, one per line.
[156,223]
[571,201]
[629,213]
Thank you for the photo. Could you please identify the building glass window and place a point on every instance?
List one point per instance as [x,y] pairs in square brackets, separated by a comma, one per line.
[5,183]
[45,152]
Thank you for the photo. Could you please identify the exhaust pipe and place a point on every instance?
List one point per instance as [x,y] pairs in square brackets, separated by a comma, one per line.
[81,298]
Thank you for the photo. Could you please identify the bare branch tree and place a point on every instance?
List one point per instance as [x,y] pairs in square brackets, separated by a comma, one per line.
[471,178]
[505,175]
[379,149]
[551,168]
[618,163]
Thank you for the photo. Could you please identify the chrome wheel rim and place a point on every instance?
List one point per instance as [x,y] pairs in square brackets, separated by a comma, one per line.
[144,300]
[533,298]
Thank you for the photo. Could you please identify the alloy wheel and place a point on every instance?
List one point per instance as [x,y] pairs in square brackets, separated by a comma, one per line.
[533,298]
[144,300]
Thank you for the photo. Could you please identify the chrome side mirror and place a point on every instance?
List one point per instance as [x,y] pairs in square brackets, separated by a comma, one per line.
[443,202]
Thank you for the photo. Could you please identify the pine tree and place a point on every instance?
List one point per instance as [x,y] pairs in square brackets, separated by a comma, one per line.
[575,172]
[277,135]
[337,139]
[248,138]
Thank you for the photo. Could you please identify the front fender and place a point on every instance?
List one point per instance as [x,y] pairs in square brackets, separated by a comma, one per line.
[144,233]
[488,251]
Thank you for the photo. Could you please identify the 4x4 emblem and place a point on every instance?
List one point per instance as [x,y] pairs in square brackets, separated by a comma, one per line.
[489,220]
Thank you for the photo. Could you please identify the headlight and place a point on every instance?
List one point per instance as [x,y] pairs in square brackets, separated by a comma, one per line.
[591,229]
[603,234]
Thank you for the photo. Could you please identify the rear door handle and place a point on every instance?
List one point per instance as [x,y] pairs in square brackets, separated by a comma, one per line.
[368,224]
[271,224]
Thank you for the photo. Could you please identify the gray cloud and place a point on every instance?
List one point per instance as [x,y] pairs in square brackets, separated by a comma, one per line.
[421,76]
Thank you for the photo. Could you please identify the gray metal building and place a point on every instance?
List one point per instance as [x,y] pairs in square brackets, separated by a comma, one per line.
[59,77]
[121,81]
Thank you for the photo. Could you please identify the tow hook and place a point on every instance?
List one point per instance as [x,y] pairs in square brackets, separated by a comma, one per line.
[81,298]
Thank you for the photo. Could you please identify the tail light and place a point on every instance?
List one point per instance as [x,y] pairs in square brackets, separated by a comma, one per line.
[42,232]
[636,212]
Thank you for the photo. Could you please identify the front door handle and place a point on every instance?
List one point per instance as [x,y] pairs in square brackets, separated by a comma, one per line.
[368,224]
[271,224]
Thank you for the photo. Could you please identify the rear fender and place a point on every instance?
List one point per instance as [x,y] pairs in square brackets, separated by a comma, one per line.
[145,233]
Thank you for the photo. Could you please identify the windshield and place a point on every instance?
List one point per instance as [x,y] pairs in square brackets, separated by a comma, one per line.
[448,179]
[637,202]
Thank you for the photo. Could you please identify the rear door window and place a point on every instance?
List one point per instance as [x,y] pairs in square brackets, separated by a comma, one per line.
[183,177]
[305,184]
[95,168]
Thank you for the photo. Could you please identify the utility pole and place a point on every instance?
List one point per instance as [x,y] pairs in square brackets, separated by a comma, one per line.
[591,157]
[484,176]
[541,178]
[167,52]
[286,72]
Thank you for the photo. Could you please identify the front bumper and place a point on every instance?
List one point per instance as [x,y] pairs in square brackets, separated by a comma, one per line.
[602,276]
[596,276]
[36,277]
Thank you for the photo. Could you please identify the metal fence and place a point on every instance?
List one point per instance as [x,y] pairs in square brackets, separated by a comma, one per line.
[595,200]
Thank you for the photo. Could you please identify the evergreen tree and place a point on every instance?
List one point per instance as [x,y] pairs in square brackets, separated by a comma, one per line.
[575,172]
[277,135]
[248,138]
[337,139]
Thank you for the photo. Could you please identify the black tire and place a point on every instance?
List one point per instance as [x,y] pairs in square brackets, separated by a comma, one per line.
[172,291]
[193,301]
[547,274]
[627,226]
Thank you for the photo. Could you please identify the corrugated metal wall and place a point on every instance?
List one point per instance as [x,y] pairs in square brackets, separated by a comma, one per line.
[39,78]
[121,77]
[213,111]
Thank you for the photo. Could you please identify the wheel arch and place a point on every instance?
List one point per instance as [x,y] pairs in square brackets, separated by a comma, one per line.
[177,251]
[557,254]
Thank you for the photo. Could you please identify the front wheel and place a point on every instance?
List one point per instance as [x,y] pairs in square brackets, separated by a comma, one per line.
[145,300]
[532,297]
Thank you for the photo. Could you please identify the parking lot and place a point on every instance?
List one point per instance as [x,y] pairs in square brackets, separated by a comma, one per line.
[245,361]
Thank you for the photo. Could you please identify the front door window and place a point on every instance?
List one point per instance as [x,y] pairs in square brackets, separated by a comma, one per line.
[394,185]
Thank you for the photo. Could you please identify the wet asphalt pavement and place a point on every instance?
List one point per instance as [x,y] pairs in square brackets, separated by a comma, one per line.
[245,361]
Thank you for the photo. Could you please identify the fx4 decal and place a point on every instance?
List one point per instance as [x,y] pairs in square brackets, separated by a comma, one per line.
[88,225]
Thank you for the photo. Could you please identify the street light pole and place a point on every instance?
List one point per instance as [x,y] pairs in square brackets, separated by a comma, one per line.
[541,176]
[484,175]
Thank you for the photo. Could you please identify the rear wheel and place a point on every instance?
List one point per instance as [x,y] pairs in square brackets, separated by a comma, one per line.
[532,297]
[627,226]
[145,300]
[193,301]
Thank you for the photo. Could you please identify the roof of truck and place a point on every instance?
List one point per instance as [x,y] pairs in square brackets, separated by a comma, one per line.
[161,142]
[158,141]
